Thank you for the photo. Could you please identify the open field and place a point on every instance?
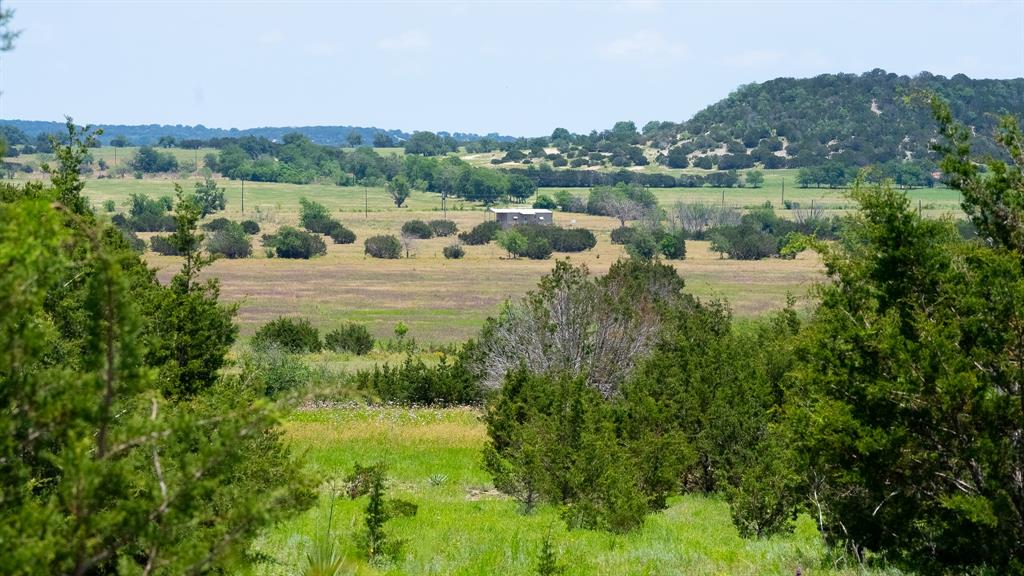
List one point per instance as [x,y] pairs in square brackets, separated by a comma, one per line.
[464,527]
[447,300]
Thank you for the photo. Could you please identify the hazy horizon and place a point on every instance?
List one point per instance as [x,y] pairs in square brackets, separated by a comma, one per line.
[514,69]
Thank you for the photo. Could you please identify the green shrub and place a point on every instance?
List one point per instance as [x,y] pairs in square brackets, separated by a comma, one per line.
[274,371]
[642,245]
[341,235]
[417,229]
[560,239]
[161,245]
[622,235]
[383,246]
[351,337]
[454,251]
[251,227]
[230,242]
[537,248]
[743,242]
[443,228]
[109,205]
[374,542]
[481,233]
[547,560]
[450,382]
[314,216]
[553,439]
[290,335]
[544,201]
[294,243]
[512,241]
[217,224]
[672,245]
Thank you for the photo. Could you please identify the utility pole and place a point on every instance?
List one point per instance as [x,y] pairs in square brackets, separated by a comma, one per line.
[366,203]
[783,192]
[444,203]
[243,195]
[723,197]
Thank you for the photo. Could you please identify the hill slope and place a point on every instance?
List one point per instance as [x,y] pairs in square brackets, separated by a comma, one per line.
[855,119]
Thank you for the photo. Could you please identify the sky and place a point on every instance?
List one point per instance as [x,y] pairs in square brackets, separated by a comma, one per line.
[520,68]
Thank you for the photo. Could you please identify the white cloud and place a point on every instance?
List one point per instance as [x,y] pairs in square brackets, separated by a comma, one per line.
[644,44]
[755,58]
[408,40]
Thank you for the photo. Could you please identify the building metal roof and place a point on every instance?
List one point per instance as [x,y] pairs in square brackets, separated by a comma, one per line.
[523,211]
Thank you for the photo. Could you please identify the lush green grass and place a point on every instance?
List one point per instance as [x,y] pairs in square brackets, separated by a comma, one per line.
[464,527]
[116,156]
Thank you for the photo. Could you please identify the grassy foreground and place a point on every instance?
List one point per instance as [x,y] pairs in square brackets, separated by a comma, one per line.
[464,527]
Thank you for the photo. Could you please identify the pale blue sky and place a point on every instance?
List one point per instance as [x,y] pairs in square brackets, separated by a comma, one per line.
[514,68]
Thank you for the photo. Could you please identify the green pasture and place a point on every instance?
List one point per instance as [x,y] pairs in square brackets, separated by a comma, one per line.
[464,527]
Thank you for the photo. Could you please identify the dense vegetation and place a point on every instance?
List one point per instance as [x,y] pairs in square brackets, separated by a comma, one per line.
[125,448]
[892,414]
[855,120]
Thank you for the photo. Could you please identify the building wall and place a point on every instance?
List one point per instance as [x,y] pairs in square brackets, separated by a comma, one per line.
[507,220]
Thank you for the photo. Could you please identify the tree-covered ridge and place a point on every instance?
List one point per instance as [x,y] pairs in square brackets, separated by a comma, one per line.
[150,134]
[856,120]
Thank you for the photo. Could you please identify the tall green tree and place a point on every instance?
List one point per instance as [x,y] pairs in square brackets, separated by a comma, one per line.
[399,189]
[122,448]
[906,409]
[71,153]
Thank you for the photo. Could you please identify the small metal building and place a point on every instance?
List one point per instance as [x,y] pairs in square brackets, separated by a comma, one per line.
[508,217]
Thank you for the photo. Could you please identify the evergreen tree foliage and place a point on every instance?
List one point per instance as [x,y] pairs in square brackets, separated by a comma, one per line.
[123,449]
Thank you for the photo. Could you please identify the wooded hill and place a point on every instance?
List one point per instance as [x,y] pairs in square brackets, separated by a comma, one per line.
[856,120]
[151,134]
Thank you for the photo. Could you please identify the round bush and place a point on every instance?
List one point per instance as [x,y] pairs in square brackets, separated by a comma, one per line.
[289,335]
[642,245]
[217,224]
[481,233]
[250,227]
[545,201]
[537,248]
[443,227]
[622,235]
[341,235]
[417,229]
[294,243]
[673,244]
[383,246]
[230,242]
[454,252]
[161,245]
[571,240]
[351,337]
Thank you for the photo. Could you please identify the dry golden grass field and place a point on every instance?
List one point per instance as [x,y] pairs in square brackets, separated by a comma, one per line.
[439,300]
[444,300]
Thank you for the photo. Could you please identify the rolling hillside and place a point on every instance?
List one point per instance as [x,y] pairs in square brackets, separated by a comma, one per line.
[854,119]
